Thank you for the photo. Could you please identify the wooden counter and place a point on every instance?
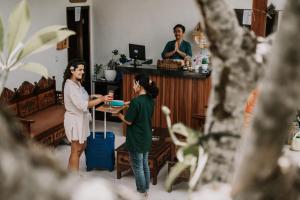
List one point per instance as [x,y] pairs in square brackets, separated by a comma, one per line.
[185,93]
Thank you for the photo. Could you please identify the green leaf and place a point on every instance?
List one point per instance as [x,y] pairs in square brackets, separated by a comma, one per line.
[18,25]
[36,68]
[45,39]
[191,150]
[1,35]
[175,172]
[166,110]
[202,160]
[180,129]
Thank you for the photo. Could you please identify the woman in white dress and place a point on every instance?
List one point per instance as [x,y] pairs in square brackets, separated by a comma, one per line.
[77,116]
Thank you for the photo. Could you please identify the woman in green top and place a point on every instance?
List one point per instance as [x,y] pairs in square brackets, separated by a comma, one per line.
[178,48]
[139,129]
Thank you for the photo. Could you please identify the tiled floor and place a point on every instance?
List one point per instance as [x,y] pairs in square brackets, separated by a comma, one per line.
[156,192]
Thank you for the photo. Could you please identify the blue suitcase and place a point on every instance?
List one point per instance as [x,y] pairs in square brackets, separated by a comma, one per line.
[100,152]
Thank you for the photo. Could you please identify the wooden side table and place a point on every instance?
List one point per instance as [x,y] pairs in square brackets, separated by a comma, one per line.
[106,109]
[158,156]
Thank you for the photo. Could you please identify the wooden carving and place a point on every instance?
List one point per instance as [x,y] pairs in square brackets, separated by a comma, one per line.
[7,95]
[28,106]
[46,99]
[45,84]
[63,44]
[26,89]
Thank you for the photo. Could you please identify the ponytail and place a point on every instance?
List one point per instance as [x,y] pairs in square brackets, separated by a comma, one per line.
[149,86]
[152,90]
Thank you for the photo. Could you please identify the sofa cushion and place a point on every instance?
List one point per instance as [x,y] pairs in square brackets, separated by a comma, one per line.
[46,99]
[46,119]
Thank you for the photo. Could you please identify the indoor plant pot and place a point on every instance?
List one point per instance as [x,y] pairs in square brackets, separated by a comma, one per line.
[110,75]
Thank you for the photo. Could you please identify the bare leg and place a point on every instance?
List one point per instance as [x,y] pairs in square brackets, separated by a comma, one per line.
[82,148]
[76,149]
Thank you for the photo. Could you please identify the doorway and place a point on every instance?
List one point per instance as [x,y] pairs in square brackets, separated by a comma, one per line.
[78,20]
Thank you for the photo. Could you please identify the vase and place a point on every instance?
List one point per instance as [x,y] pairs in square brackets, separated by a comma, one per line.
[110,75]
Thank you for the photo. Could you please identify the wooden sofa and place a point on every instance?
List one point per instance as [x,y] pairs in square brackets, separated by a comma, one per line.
[40,109]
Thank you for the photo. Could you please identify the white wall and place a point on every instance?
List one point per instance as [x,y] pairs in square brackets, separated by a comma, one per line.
[147,22]
[247,4]
[114,24]
[43,13]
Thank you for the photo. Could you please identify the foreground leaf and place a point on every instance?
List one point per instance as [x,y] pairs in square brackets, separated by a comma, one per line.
[175,172]
[1,35]
[36,68]
[202,160]
[18,25]
[45,39]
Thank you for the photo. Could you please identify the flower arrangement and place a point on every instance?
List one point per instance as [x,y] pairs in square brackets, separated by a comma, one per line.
[113,63]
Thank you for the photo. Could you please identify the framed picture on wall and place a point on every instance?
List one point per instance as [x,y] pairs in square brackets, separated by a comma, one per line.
[63,44]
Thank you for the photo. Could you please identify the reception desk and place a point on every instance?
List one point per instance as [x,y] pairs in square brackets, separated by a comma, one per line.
[185,93]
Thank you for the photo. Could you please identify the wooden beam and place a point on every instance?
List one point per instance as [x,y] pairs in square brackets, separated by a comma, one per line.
[259,17]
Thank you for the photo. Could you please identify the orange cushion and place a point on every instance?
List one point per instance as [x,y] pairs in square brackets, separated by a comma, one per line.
[46,119]
[250,105]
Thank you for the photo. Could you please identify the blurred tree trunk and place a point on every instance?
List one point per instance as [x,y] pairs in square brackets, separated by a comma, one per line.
[263,173]
[235,73]
[29,171]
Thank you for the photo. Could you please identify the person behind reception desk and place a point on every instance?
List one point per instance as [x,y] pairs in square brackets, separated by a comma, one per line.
[178,48]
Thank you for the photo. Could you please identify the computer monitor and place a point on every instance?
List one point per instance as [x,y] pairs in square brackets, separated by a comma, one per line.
[137,52]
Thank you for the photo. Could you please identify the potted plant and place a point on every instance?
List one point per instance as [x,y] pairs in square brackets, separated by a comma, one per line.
[110,72]
[99,71]
[123,59]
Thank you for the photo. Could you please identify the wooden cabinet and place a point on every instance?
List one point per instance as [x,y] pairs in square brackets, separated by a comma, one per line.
[186,97]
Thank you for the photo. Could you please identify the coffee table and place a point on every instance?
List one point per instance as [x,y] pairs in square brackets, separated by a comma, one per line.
[159,154]
[106,109]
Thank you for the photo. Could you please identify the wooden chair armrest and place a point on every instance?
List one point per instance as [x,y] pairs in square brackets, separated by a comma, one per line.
[26,124]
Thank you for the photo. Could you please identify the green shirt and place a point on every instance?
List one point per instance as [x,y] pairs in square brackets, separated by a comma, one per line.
[139,133]
[184,47]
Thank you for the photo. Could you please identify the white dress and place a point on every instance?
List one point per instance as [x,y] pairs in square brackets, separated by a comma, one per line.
[77,115]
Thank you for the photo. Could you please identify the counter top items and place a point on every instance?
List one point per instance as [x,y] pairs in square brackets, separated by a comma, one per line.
[154,70]
[170,64]
[175,64]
